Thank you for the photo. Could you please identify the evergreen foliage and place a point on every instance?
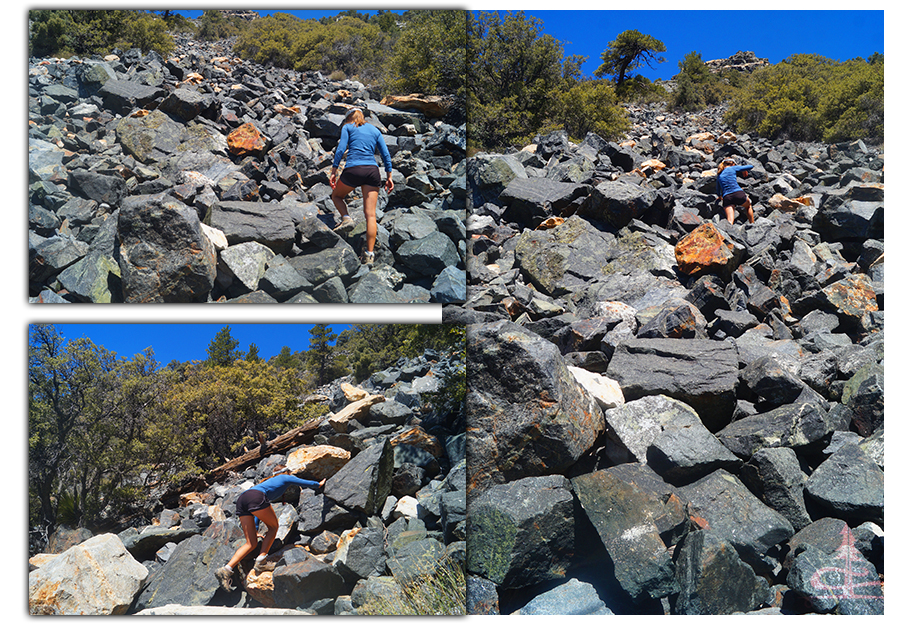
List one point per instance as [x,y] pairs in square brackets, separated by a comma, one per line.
[808,97]
[429,55]
[89,32]
[627,53]
[697,87]
[223,349]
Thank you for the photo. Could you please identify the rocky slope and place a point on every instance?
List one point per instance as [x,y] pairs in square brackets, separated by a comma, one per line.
[393,509]
[203,177]
[668,413]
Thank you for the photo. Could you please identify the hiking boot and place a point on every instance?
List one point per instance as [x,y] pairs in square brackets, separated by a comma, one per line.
[263,566]
[224,577]
[368,258]
[346,225]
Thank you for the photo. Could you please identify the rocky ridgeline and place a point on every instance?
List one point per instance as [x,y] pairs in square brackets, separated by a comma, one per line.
[393,509]
[669,414]
[204,177]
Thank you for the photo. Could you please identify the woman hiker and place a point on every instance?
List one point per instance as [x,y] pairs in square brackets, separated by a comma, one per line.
[254,505]
[730,192]
[359,141]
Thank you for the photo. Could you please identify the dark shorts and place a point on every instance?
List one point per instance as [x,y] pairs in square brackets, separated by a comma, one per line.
[250,501]
[734,199]
[360,175]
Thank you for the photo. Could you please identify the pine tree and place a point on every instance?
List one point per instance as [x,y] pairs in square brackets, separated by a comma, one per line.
[223,349]
[321,351]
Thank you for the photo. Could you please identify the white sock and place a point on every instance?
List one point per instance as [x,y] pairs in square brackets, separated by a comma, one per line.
[228,568]
[261,557]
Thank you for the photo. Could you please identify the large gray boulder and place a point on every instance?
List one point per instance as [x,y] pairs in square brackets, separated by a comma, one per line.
[96,577]
[522,533]
[714,580]
[267,223]
[188,577]
[622,515]
[527,415]
[163,254]
[365,481]
[728,508]
[561,259]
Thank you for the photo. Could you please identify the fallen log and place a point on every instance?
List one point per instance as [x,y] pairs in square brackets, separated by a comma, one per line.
[280,444]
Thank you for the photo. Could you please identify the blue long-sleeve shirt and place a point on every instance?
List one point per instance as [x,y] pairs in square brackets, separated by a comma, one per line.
[727,180]
[360,144]
[274,488]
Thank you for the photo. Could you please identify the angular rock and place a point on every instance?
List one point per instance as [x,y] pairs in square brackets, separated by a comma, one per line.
[321,461]
[527,415]
[573,597]
[164,255]
[187,578]
[301,584]
[268,224]
[714,580]
[622,516]
[793,425]
[722,504]
[701,373]
[96,577]
[849,485]
[365,482]
[829,572]
[522,533]
[557,261]
[706,250]
[774,475]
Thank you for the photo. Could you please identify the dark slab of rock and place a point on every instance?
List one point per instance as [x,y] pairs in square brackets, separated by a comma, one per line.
[522,533]
[714,580]
[365,481]
[774,475]
[164,255]
[620,512]
[702,373]
[727,507]
[829,572]
[793,425]
[849,485]
[187,578]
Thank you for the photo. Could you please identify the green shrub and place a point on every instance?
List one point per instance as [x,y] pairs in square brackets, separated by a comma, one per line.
[430,54]
[809,97]
[214,26]
[696,87]
[589,106]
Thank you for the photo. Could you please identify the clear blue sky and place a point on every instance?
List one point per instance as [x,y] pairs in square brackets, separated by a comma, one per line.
[838,35]
[186,342]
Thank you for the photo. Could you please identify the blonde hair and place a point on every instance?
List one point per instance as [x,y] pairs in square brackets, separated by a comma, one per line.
[354,116]
[726,162]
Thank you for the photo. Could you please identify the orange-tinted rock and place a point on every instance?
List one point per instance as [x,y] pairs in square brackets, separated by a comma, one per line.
[432,106]
[246,139]
[417,437]
[705,250]
[552,222]
[853,296]
[319,462]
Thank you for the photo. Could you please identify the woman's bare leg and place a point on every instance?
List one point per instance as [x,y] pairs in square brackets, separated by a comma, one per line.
[729,214]
[370,204]
[249,527]
[267,516]
[338,194]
